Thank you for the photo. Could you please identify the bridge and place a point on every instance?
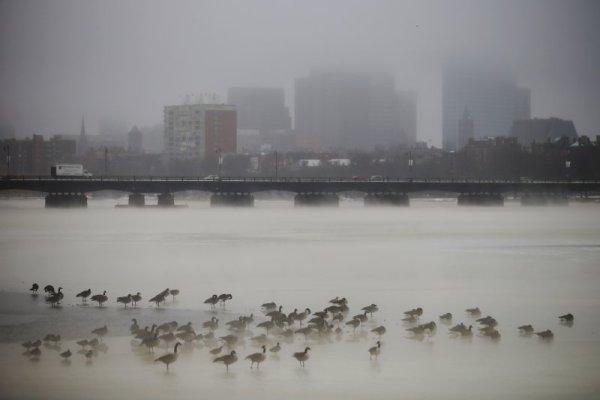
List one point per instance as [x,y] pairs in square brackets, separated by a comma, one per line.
[308,191]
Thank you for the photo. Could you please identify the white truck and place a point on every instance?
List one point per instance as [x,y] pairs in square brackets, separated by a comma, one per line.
[68,170]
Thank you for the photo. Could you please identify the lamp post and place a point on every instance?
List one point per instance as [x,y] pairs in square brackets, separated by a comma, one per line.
[106,161]
[567,166]
[219,160]
[276,166]
[7,150]
[410,165]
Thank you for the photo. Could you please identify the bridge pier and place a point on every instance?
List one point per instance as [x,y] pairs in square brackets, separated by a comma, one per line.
[66,200]
[166,200]
[136,200]
[386,199]
[544,199]
[232,200]
[480,199]
[316,199]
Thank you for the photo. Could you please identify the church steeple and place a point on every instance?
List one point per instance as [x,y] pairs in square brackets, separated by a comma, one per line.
[82,145]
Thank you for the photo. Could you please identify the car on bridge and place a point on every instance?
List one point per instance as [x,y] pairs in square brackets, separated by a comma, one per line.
[212,178]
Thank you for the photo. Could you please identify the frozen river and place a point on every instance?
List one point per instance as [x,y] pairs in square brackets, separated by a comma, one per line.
[522,265]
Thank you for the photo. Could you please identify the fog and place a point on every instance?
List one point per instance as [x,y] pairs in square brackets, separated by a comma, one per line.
[513,262]
[125,60]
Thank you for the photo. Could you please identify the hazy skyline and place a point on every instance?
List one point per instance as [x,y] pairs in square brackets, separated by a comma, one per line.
[125,60]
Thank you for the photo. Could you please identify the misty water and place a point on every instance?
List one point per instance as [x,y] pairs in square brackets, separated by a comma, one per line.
[522,265]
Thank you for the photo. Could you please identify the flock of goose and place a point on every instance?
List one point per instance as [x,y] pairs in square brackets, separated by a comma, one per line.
[324,326]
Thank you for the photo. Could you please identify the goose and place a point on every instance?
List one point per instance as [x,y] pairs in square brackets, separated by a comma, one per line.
[475,312]
[66,354]
[237,324]
[305,331]
[52,338]
[334,309]
[430,326]
[230,340]
[134,326]
[354,323]
[165,327]
[89,354]
[168,338]
[227,359]
[257,357]
[417,330]
[415,312]
[303,315]
[224,297]
[55,298]
[100,332]
[37,343]
[339,317]
[302,356]
[186,328]
[124,300]
[212,300]
[216,350]
[269,306]
[83,343]
[150,342]
[461,329]
[547,334]
[49,289]
[380,330]
[35,352]
[321,314]
[525,329]
[260,339]
[339,301]
[34,288]
[174,292]
[275,313]
[84,295]
[93,343]
[159,298]
[248,319]
[275,349]
[492,333]
[187,336]
[375,350]
[361,317]
[136,298]
[446,317]
[26,344]
[169,358]
[213,324]
[267,325]
[100,298]
[567,317]
[371,309]
[489,321]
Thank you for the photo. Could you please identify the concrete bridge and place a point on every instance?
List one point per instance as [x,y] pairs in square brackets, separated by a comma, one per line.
[308,191]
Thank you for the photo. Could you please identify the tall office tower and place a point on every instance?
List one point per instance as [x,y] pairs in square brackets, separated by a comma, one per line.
[347,109]
[488,93]
[522,104]
[407,116]
[261,109]
[197,131]
[466,130]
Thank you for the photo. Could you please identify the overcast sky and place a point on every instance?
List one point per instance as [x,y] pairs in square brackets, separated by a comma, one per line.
[126,59]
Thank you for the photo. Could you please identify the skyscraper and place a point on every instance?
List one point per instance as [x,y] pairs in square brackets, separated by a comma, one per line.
[260,108]
[351,110]
[488,93]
